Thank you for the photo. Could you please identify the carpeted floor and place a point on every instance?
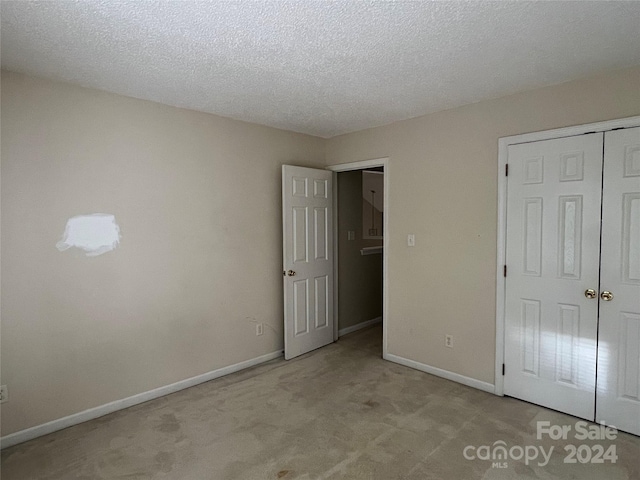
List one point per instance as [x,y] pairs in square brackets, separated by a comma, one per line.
[340,412]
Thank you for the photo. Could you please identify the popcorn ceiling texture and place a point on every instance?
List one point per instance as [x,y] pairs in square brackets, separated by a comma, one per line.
[323,68]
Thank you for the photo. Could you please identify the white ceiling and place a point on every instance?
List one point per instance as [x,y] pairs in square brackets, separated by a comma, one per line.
[318,67]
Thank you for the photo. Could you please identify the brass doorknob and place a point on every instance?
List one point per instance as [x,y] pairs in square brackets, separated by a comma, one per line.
[291,273]
[606,296]
[590,293]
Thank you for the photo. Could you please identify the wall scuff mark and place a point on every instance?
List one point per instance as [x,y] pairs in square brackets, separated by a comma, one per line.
[96,234]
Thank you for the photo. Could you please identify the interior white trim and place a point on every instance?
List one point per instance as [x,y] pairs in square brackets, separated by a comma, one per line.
[361,165]
[438,372]
[359,326]
[501,260]
[574,130]
[90,414]
[336,313]
[345,167]
[503,145]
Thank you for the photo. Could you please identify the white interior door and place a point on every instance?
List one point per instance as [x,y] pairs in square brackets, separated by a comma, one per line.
[618,393]
[307,217]
[553,241]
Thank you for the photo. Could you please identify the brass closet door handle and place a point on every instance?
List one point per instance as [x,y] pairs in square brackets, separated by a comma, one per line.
[606,296]
[590,293]
[291,273]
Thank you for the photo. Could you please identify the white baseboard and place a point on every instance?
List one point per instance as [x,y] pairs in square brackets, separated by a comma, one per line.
[359,326]
[438,372]
[76,418]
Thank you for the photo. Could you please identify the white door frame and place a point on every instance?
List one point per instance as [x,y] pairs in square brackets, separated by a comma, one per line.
[346,167]
[503,144]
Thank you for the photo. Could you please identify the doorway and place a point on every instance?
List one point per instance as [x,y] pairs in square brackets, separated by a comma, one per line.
[360,241]
[360,247]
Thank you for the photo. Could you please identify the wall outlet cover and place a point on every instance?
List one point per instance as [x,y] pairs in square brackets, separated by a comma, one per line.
[448,341]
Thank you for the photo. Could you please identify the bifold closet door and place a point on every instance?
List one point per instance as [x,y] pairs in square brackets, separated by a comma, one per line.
[553,247]
[618,392]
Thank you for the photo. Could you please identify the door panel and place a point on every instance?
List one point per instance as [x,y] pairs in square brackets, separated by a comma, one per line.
[553,231]
[307,198]
[618,392]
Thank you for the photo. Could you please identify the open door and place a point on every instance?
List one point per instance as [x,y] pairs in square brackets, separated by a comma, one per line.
[307,225]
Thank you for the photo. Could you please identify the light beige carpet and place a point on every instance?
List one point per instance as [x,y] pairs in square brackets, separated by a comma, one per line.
[340,412]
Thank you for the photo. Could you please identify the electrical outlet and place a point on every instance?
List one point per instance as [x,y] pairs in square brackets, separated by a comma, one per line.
[411,240]
[4,393]
[448,341]
[259,329]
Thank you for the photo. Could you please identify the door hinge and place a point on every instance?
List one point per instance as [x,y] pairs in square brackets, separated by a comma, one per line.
[506,169]
[504,271]
[503,369]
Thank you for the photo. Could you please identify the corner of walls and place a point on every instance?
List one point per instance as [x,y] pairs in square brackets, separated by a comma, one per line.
[197,199]
[443,188]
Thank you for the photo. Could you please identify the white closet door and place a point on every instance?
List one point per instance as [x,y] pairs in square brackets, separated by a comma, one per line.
[553,240]
[618,393]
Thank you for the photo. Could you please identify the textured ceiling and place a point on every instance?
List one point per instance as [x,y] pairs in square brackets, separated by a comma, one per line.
[318,67]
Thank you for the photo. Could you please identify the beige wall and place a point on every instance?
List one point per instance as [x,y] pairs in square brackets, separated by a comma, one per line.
[198,201]
[443,187]
[359,276]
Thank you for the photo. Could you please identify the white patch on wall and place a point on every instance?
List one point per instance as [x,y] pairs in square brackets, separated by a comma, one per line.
[96,234]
